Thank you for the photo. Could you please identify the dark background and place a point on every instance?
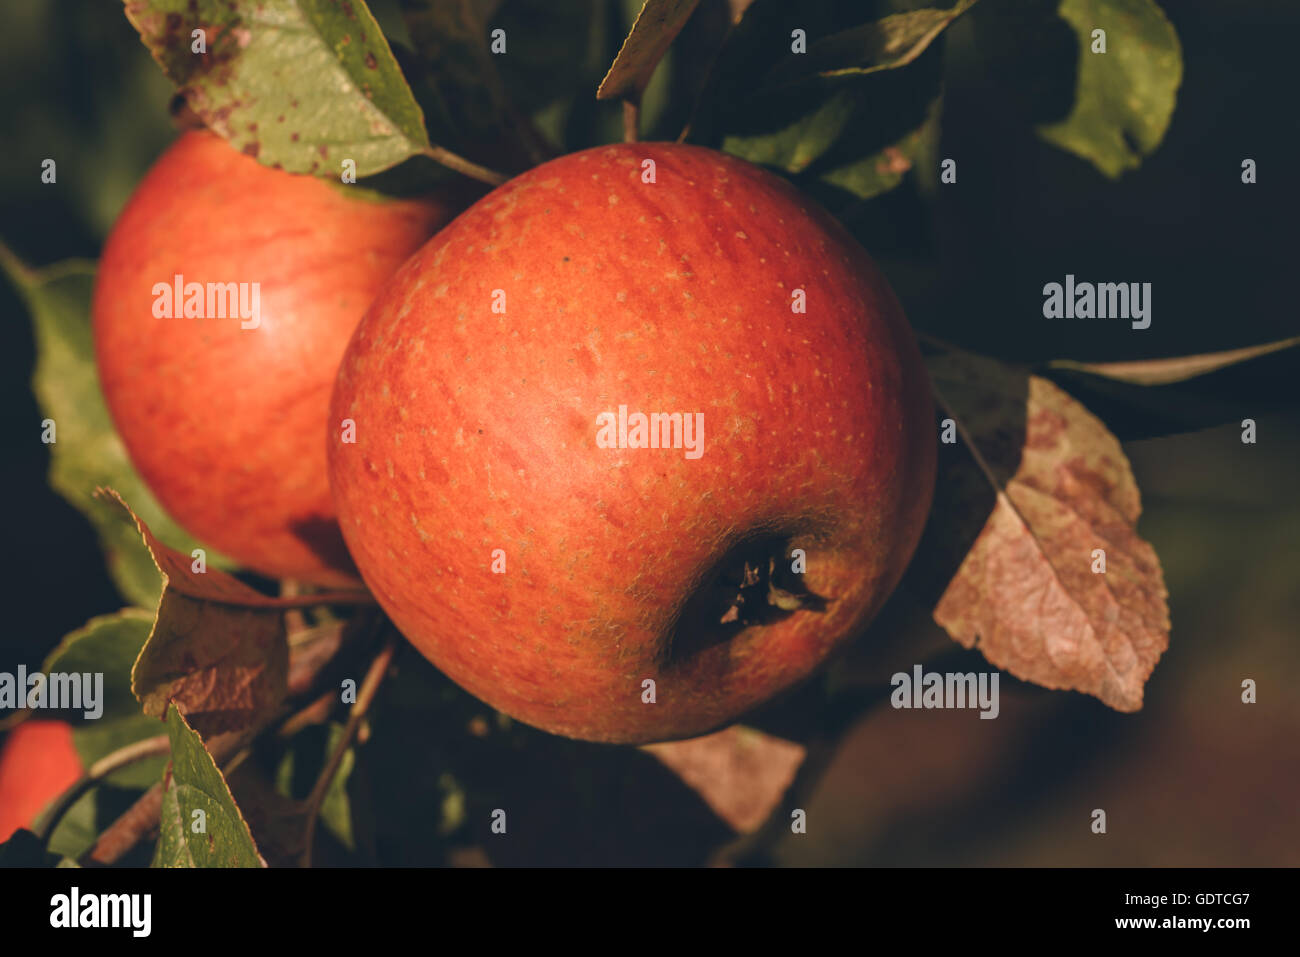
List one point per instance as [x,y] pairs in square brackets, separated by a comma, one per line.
[1196,777]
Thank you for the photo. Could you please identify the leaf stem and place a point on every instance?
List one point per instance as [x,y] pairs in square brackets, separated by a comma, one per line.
[631,116]
[464,166]
[978,456]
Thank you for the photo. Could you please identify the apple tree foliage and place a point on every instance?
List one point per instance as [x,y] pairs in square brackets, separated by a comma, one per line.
[845,99]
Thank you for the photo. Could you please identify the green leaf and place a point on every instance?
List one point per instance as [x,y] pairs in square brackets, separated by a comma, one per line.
[109,645]
[654,30]
[552,47]
[884,44]
[442,28]
[299,84]
[336,809]
[222,838]
[882,170]
[88,452]
[106,645]
[1124,98]
[515,109]
[301,766]
[792,148]
[840,117]
[459,73]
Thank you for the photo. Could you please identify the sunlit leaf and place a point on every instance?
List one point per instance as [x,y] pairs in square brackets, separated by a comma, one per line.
[299,84]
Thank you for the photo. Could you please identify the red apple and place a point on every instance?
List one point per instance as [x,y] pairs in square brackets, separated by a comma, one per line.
[480,385]
[222,416]
[37,763]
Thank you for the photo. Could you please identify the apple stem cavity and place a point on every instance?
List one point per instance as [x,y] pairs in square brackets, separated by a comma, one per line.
[751,586]
[758,598]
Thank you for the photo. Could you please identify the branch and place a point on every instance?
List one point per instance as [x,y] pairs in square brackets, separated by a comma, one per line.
[317,712]
[137,751]
[128,830]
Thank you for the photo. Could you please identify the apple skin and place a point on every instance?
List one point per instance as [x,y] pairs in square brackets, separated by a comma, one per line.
[476,431]
[224,423]
[37,763]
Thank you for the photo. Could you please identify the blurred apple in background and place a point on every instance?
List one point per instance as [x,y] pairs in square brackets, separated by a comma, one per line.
[223,416]
[37,763]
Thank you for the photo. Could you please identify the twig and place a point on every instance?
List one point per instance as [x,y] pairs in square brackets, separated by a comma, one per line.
[309,659]
[365,695]
[137,751]
[314,713]
[362,599]
[294,620]
[464,166]
[141,819]
[128,830]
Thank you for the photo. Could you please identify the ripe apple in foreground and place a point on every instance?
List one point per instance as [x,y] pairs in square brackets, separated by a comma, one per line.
[225,296]
[37,764]
[551,550]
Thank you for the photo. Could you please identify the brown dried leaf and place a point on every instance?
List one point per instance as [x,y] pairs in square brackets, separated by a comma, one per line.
[218,648]
[1027,592]
[277,823]
[1178,369]
[740,773]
